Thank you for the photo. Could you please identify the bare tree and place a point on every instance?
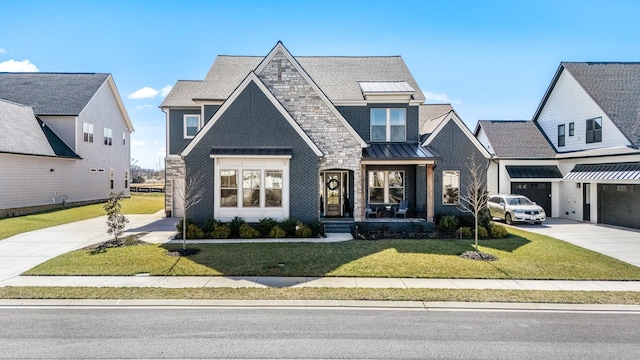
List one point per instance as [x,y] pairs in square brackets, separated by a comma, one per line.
[476,196]
[191,194]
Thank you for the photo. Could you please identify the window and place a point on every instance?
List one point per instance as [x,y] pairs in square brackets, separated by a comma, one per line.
[386,187]
[572,129]
[108,136]
[388,124]
[87,132]
[251,188]
[594,130]
[124,138]
[451,187]
[560,135]
[273,188]
[228,188]
[191,126]
[112,176]
[126,179]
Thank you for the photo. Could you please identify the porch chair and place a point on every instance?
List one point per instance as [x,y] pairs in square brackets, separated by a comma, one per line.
[370,212]
[402,209]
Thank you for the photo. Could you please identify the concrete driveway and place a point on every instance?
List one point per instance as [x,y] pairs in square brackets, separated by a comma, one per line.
[617,242]
[21,252]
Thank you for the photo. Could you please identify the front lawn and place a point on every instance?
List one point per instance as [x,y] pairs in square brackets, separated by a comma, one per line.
[522,255]
[139,203]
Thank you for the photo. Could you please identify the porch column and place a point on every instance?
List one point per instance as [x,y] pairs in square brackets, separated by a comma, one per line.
[359,193]
[421,190]
[430,193]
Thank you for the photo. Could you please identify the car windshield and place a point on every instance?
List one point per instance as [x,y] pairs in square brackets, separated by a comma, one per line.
[519,201]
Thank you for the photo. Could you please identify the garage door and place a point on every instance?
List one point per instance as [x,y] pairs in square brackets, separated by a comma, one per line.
[538,192]
[619,205]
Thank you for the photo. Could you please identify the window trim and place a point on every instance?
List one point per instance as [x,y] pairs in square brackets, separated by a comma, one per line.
[107,135]
[594,132]
[185,127]
[444,172]
[87,132]
[386,188]
[388,124]
[126,178]
[572,128]
[561,135]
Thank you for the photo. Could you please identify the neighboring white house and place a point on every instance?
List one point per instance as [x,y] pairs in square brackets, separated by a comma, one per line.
[64,139]
[581,151]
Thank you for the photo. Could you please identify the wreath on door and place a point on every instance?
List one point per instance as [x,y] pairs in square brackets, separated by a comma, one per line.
[333,184]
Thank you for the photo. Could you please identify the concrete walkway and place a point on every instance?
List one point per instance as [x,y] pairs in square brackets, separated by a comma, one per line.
[617,242]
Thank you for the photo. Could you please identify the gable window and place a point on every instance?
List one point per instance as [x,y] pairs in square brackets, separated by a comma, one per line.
[191,126]
[386,187]
[594,130]
[108,136]
[388,124]
[560,135]
[451,187]
[87,132]
[572,129]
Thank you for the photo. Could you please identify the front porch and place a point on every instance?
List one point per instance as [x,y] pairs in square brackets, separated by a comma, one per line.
[349,225]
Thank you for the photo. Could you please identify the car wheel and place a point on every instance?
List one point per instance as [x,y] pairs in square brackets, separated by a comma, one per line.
[507,219]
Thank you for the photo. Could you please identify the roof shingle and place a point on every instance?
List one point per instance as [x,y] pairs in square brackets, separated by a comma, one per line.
[517,139]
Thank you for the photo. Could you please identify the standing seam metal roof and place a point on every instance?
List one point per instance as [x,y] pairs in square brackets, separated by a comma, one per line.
[619,171]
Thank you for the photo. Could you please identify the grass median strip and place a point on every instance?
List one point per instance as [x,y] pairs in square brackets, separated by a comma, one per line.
[522,255]
[462,295]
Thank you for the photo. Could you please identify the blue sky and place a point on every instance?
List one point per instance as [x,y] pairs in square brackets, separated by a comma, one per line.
[490,59]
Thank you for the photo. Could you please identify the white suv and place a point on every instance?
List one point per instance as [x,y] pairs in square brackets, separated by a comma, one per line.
[515,208]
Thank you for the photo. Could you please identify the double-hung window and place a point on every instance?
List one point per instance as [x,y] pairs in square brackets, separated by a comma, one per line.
[560,135]
[451,187]
[388,124]
[386,187]
[594,130]
[251,188]
[228,188]
[87,132]
[572,128]
[254,184]
[108,136]
[191,125]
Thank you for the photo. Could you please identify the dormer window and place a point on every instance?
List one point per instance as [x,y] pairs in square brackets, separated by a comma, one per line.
[191,126]
[388,124]
[594,130]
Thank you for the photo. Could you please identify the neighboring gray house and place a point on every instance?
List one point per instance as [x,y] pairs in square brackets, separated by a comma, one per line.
[64,139]
[581,150]
[303,137]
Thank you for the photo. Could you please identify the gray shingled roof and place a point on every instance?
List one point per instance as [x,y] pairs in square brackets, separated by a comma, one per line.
[616,89]
[517,139]
[182,93]
[51,93]
[22,133]
[338,77]
[431,115]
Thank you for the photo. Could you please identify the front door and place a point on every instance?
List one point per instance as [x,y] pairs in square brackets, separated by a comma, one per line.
[586,202]
[334,194]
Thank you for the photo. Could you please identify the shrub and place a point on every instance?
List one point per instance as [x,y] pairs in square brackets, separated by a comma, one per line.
[482,233]
[277,232]
[248,232]
[498,231]
[234,226]
[289,226]
[221,232]
[484,218]
[179,225]
[211,224]
[303,231]
[448,224]
[266,224]
[194,232]
[316,228]
[464,232]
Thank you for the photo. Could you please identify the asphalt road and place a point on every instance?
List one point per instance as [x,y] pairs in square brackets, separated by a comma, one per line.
[81,333]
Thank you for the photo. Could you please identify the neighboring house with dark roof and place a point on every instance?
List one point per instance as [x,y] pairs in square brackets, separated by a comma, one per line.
[64,139]
[581,149]
[301,137]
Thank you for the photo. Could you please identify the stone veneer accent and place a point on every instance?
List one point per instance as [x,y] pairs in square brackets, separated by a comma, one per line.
[340,148]
[174,170]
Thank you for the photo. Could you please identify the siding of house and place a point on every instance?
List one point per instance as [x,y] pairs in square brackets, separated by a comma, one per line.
[209,110]
[484,140]
[456,150]
[177,142]
[242,126]
[65,127]
[359,118]
[569,102]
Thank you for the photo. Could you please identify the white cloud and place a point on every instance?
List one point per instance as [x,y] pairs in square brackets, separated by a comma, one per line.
[2,51]
[144,93]
[437,97]
[165,90]
[145,106]
[155,142]
[18,66]
[138,143]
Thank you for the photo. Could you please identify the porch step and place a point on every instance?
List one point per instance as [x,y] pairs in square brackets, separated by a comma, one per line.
[337,227]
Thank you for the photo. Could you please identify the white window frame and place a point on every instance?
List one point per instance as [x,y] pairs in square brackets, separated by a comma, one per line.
[126,178]
[107,136]
[388,124]
[446,184]
[124,138]
[185,118]
[112,179]
[87,132]
[595,121]
[386,186]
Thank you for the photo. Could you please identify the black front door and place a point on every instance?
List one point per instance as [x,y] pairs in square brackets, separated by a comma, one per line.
[586,202]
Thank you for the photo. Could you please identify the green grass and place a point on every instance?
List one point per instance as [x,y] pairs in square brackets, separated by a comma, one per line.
[466,295]
[523,255]
[147,203]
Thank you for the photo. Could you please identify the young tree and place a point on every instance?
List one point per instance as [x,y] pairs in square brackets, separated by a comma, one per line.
[474,201]
[191,194]
[115,220]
